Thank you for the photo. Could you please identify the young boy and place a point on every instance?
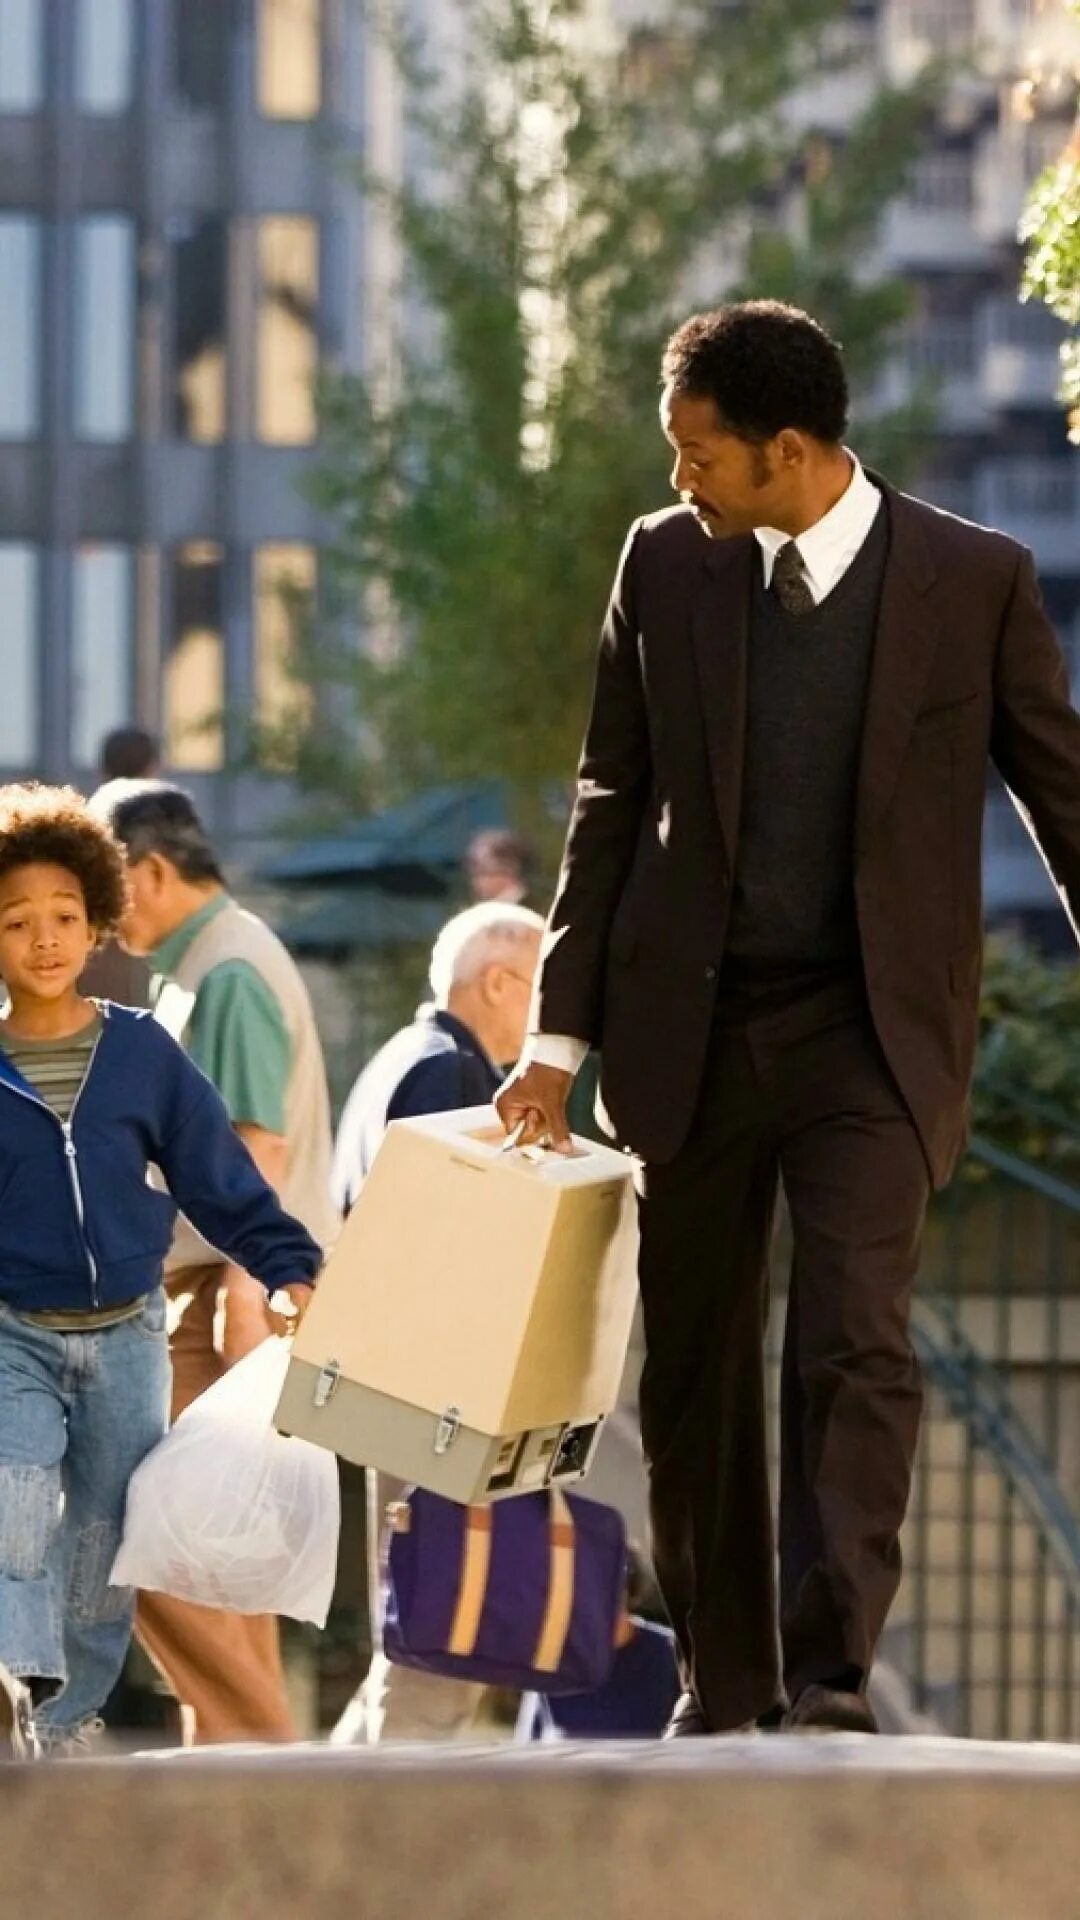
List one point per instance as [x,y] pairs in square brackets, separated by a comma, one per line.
[91,1095]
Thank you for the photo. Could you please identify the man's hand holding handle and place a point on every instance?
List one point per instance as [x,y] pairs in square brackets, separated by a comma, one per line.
[534,1100]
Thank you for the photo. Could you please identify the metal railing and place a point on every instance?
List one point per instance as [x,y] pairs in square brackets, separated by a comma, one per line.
[1044,488]
[987,1623]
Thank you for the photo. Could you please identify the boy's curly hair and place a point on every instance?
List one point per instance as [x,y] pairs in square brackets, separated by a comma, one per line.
[51,826]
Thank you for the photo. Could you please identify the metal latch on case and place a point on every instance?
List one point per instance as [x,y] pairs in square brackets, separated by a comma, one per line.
[325,1384]
[447,1428]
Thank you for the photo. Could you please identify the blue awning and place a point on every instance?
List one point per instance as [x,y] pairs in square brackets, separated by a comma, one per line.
[358,920]
[419,845]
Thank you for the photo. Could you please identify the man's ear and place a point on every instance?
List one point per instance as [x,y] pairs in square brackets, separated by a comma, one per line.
[491,982]
[790,447]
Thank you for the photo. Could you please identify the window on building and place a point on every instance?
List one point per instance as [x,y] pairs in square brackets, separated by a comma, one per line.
[104,327]
[1045,141]
[944,183]
[19,706]
[22,49]
[193,677]
[104,55]
[943,348]
[199,330]
[202,53]
[289,58]
[102,648]
[941,23]
[20,279]
[284,584]
[1037,486]
[287,348]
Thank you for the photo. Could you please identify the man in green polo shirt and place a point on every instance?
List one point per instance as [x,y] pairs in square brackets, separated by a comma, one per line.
[230,992]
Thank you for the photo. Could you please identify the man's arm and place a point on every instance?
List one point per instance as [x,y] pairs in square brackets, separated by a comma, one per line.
[239,1039]
[1035,742]
[613,783]
[244,1316]
[210,1175]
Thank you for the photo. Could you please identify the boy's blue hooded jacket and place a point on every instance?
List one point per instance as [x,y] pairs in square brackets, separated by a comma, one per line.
[79,1225]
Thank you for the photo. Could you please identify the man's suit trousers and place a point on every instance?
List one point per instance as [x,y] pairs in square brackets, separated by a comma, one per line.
[796,1090]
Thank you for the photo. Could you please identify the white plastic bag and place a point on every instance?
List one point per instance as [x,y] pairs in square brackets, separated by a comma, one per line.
[228,1513]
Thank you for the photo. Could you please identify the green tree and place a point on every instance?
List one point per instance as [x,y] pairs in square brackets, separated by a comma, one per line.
[1051,233]
[573,205]
[1027,1084]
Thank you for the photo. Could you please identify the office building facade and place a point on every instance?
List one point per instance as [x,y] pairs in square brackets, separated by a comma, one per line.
[1001,452]
[180,247]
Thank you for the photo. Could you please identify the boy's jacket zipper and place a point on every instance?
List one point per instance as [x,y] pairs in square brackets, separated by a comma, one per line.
[71,1156]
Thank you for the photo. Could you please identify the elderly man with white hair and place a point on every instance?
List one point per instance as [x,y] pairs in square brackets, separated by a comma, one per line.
[481,976]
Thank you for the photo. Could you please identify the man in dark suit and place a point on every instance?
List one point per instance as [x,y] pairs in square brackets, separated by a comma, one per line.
[769,919]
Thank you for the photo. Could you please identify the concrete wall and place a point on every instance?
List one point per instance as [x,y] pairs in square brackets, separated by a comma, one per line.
[783,1828]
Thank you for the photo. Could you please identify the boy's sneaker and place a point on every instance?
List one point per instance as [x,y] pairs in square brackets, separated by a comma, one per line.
[73,1743]
[16,1723]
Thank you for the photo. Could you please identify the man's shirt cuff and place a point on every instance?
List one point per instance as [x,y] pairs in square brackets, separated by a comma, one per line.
[554,1050]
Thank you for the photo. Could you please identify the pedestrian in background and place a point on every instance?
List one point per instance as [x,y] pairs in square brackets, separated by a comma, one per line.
[128,753]
[89,1095]
[499,866]
[231,993]
[452,1056]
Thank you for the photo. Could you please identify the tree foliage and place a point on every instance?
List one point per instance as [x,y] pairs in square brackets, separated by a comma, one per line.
[1051,232]
[571,205]
[1027,1086]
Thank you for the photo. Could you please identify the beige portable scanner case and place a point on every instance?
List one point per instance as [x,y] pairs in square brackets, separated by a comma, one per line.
[470,1329]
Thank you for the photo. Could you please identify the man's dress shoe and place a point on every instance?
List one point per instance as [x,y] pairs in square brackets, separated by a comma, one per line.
[829,1710]
[687,1721]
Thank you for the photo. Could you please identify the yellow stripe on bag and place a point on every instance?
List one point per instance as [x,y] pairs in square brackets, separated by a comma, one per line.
[560,1601]
[476,1558]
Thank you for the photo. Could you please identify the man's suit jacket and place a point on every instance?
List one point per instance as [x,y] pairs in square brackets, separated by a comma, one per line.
[966,669]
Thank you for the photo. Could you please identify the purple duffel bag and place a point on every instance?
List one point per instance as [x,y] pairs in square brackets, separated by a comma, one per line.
[527,1592]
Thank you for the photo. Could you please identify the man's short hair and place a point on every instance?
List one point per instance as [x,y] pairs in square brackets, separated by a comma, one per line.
[129,753]
[765,366]
[480,937]
[153,816]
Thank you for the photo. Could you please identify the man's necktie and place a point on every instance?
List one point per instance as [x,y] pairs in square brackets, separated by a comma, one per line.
[789,582]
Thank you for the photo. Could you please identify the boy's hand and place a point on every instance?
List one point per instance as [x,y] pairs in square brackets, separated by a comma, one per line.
[248,1315]
[299,1293]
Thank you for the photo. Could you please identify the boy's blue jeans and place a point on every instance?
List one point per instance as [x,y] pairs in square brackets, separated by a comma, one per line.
[78,1412]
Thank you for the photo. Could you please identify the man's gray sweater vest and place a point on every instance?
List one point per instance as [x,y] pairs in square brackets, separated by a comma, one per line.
[793,903]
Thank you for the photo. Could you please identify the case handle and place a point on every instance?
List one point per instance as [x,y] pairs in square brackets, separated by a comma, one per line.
[540,1148]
